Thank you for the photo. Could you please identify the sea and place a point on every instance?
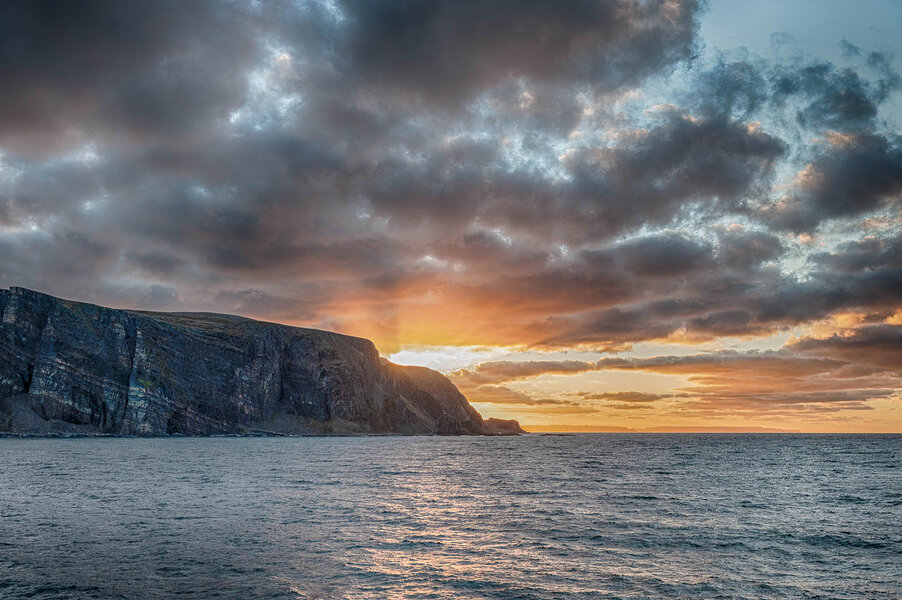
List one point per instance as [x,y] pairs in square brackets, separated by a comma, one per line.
[531,517]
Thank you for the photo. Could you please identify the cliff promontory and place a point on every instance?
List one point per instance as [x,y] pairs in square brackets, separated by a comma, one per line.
[71,368]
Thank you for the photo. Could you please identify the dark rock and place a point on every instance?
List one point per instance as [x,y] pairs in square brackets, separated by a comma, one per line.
[493,426]
[73,368]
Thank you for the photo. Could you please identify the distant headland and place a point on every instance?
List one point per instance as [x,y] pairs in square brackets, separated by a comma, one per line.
[70,368]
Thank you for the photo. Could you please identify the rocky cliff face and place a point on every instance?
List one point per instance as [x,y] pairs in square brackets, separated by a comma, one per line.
[69,367]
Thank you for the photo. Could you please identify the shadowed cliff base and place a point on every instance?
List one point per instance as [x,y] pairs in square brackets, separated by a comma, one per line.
[69,368]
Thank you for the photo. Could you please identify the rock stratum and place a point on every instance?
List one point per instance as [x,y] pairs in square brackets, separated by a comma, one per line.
[74,368]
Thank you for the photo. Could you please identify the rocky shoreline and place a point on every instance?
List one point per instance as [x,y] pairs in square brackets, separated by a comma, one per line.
[71,369]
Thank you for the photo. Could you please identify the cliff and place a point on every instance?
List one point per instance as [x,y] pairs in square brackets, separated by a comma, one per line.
[70,367]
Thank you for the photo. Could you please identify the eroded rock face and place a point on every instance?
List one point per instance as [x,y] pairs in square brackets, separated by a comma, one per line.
[69,367]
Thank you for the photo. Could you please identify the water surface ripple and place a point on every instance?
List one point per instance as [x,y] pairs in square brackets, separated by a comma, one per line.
[532,517]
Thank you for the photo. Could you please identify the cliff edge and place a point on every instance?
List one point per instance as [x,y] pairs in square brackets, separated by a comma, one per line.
[74,368]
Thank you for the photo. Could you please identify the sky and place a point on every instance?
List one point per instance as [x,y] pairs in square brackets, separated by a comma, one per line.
[591,215]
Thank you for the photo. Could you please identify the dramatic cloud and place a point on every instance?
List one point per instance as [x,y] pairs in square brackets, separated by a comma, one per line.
[544,176]
[855,174]
[146,69]
[449,52]
[878,347]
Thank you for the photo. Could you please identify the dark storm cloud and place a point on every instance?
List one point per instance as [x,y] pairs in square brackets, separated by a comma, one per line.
[667,267]
[853,165]
[725,295]
[448,52]
[814,93]
[867,254]
[878,346]
[645,177]
[741,248]
[731,88]
[665,255]
[839,98]
[721,306]
[833,99]
[654,286]
[24,259]
[854,174]
[496,168]
[150,69]
[611,326]
[652,176]
[98,71]
[157,264]
[827,291]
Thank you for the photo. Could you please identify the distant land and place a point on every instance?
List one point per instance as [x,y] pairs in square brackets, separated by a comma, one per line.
[70,368]
[663,429]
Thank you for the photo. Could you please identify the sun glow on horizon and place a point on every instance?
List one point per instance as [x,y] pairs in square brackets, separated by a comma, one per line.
[623,214]
[567,391]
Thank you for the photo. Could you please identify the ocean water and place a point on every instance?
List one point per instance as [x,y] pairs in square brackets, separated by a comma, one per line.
[532,517]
